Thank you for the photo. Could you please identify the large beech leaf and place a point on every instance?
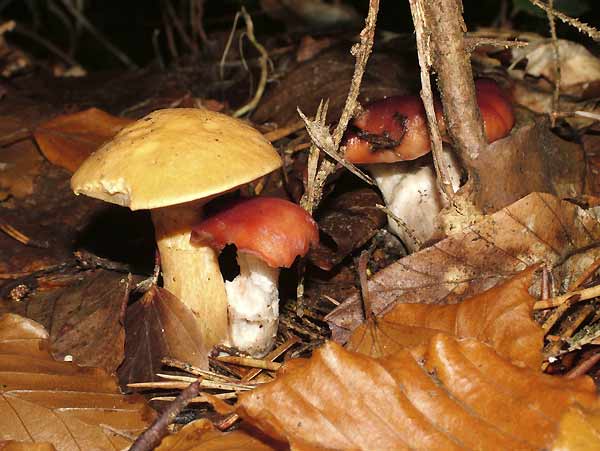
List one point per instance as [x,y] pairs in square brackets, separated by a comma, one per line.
[201,435]
[86,320]
[459,394]
[500,316]
[537,228]
[160,325]
[44,400]
[68,140]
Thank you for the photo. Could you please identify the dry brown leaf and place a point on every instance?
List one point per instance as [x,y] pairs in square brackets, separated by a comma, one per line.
[44,400]
[579,69]
[328,76]
[85,320]
[579,431]
[551,164]
[538,228]
[159,325]
[68,140]
[349,220]
[500,317]
[20,446]
[462,395]
[202,436]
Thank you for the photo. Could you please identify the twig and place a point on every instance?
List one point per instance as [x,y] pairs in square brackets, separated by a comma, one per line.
[556,61]
[277,352]
[401,224]
[584,366]
[198,399]
[310,198]
[361,51]
[589,272]
[24,31]
[21,237]
[472,42]
[152,436]
[425,56]
[583,295]
[363,261]
[249,362]
[282,132]
[263,61]
[582,27]
[188,367]
[99,36]
[191,44]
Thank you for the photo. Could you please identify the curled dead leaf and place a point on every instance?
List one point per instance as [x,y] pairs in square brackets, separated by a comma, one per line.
[461,395]
[500,317]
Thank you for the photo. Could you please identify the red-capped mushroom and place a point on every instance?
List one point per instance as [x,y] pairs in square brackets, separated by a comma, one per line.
[269,233]
[394,130]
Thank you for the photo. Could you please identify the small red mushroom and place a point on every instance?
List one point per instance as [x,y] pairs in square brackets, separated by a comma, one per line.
[394,130]
[269,233]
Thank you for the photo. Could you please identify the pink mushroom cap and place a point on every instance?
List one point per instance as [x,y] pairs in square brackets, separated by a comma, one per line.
[273,229]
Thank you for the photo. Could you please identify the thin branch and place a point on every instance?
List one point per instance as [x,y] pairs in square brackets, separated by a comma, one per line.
[263,61]
[582,27]
[556,61]
[152,436]
[98,35]
[425,62]
[361,51]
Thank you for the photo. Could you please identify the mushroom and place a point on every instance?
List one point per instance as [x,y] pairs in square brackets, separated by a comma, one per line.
[172,162]
[393,130]
[269,233]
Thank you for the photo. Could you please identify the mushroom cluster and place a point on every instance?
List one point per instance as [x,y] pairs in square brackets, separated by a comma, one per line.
[172,162]
[394,130]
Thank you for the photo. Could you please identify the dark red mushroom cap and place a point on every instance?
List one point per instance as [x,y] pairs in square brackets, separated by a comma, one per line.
[395,128]
[273,229]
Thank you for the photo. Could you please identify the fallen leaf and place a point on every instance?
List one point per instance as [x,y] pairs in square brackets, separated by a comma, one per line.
[538,228]
[85,320]
[579,69]
[530,159]
[349,220]
[44,400]
[67,140]
[579,430]
[159,325]
[201,435]
[20,164]
[328,76]
[500,317]
[20,446]
[461,396]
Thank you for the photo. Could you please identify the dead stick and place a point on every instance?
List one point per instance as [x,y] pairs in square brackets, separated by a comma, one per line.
[250,362]
[584,366]
[584,295]
[152,436]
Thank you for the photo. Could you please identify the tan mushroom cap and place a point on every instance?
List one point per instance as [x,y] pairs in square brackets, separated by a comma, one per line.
[174,156]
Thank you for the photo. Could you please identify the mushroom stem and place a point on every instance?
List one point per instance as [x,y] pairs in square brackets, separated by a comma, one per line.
[412,193]
[191,273]
[253,305]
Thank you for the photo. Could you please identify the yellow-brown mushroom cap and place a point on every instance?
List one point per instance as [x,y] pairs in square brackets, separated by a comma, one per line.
[174,156]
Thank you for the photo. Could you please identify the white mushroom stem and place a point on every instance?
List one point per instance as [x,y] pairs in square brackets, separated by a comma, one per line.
[191,273]
[253,306]
[412,194]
